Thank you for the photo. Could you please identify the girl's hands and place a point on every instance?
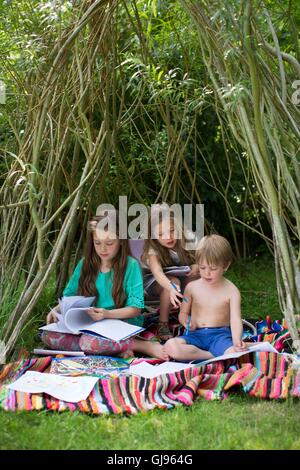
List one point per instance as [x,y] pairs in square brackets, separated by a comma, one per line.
[174,294]
[194,271]
[240,346]
[97,314]
[51,317]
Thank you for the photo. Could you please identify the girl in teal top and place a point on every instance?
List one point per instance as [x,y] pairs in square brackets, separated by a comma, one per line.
[108,273]
[132,286]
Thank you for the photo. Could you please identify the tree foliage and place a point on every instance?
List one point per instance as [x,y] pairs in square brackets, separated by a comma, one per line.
[157,100]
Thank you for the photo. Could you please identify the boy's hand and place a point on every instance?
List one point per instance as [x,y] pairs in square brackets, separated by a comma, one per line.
[97,314]
[240,346]
[183,319]
[194,270]
[51,317]
[192,326]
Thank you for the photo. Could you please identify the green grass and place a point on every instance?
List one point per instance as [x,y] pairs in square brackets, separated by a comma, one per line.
[239,422]
[235,423]
[257,283]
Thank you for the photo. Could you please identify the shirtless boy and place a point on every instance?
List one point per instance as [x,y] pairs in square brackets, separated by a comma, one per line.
[214,303]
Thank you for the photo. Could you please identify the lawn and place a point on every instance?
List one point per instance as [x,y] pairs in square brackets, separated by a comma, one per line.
[238,422]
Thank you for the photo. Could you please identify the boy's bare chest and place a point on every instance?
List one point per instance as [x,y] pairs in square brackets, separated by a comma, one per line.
[210,299]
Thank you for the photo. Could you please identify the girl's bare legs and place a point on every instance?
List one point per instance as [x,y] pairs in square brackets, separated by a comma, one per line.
[177,349]
[165,304]
[164,309]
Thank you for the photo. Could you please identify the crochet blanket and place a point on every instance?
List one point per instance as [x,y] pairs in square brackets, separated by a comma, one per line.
[260,374]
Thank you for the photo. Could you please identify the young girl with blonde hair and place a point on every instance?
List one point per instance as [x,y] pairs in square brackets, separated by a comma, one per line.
[166,248]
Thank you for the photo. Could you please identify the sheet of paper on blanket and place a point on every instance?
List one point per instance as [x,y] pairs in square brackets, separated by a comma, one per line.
[53,352]
[263,346]
[70,389]
[144,369]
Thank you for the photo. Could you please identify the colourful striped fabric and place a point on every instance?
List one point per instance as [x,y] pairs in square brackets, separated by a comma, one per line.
[262,375]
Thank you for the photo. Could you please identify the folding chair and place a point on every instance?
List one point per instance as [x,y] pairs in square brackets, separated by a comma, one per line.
[136,248]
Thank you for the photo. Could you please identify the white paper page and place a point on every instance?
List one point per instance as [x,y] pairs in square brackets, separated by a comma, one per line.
[57,327]
[61,307]
[167,367]
[65,304]
[61,323]
[261,346]
[113,329]
[144,369]
[79,301]
[77,318]
[75,301]
[71,389]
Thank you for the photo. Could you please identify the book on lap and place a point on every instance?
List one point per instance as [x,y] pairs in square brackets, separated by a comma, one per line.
[179,271]
[75,320]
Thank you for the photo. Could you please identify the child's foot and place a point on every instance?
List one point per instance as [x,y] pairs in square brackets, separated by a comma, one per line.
[163,331]
[158,350]
[126,354]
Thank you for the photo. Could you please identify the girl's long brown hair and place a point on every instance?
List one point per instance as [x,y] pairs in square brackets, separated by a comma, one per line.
[163,253]
[92,263]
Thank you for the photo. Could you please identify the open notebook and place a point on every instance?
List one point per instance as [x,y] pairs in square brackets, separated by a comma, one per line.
[75,320]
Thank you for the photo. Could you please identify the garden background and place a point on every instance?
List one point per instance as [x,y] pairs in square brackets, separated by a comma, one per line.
[178,101]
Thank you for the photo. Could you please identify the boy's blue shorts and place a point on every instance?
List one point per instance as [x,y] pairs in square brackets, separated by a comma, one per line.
[214,340]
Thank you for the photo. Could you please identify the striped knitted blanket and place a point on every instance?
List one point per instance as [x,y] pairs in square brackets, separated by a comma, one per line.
[260,374]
